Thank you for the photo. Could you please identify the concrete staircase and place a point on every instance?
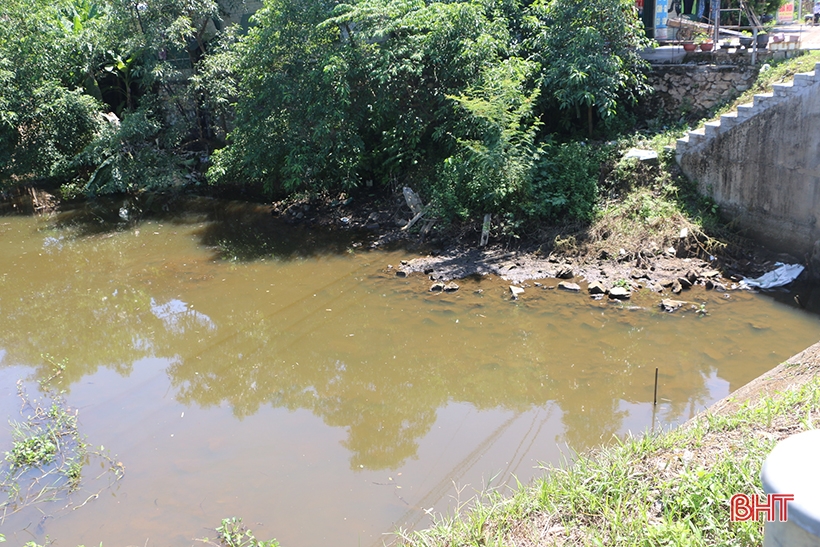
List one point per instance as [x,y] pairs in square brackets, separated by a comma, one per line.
[700,138]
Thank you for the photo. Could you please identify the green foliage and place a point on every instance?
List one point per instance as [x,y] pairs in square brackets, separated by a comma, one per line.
[215,86]
[448,97]
[290,110]
[64,63]
[565,182]
[232,533]
[56,126]
[332,96]
[128,157]
[452,98]
[492,173]
[589,51]
[31,450]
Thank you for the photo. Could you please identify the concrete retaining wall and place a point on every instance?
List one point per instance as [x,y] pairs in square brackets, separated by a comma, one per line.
[761,164]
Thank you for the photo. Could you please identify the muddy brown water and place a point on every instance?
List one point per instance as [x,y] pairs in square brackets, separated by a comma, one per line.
[240,368]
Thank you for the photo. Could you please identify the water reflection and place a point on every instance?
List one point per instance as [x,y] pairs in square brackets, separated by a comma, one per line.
[378,358]
[176,315]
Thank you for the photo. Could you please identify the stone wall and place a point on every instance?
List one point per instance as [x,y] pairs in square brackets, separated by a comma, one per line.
[683,90]
[761,164]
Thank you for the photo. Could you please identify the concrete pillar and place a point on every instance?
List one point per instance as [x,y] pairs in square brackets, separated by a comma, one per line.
[793,467]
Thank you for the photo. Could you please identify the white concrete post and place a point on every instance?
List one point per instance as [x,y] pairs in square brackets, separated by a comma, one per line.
[793,467]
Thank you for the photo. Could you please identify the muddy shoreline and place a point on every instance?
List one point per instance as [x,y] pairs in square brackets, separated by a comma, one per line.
[452,252]
[446,253]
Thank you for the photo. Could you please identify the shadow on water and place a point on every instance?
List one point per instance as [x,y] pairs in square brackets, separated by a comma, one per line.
[245,232]
[235,231]
[800,294]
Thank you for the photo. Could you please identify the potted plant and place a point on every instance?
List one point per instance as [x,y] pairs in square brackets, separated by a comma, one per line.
[704,42]
[689,46]
[726,43]
[762,39]
[746,39]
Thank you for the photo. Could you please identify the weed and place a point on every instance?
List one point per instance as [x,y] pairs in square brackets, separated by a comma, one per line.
[48,453]
[565,245]
[34,450]
[232,533]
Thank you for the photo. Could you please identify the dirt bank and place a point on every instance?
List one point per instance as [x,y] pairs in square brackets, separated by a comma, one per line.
[667,259]
[791,375]
[667,263]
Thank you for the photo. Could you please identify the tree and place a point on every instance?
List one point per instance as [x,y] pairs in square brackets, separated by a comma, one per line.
[63,64]
[589,54]
[492,170]
[335,95]
[43,122]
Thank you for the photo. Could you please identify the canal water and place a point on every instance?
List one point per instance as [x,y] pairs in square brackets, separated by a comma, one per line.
[234,366]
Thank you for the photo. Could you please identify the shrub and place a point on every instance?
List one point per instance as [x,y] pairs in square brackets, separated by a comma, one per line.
[565,182]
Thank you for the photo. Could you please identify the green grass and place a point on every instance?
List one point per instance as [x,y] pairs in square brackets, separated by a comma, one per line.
[663,489]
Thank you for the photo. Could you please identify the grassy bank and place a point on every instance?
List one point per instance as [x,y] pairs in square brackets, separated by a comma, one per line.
[643,207]
[671,488]
[782,71]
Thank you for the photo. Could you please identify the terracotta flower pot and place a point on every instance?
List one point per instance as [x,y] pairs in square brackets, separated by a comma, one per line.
[689,46]
[707,46]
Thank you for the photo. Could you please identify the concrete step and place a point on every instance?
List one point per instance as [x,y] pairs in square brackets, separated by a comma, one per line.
[802,79]
[744,111]
[782,90]
[711,129]
[697,136]
[764,99]
[761,102]
[681,145]
[728,121]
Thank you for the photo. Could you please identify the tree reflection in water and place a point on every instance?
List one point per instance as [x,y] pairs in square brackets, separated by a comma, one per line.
[339,336]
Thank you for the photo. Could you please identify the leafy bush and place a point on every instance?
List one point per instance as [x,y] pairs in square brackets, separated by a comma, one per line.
[565,181]
[589,54]
[451,98]
[490,172]
[127,157]
[42,135]
[63,64]
[457,99]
